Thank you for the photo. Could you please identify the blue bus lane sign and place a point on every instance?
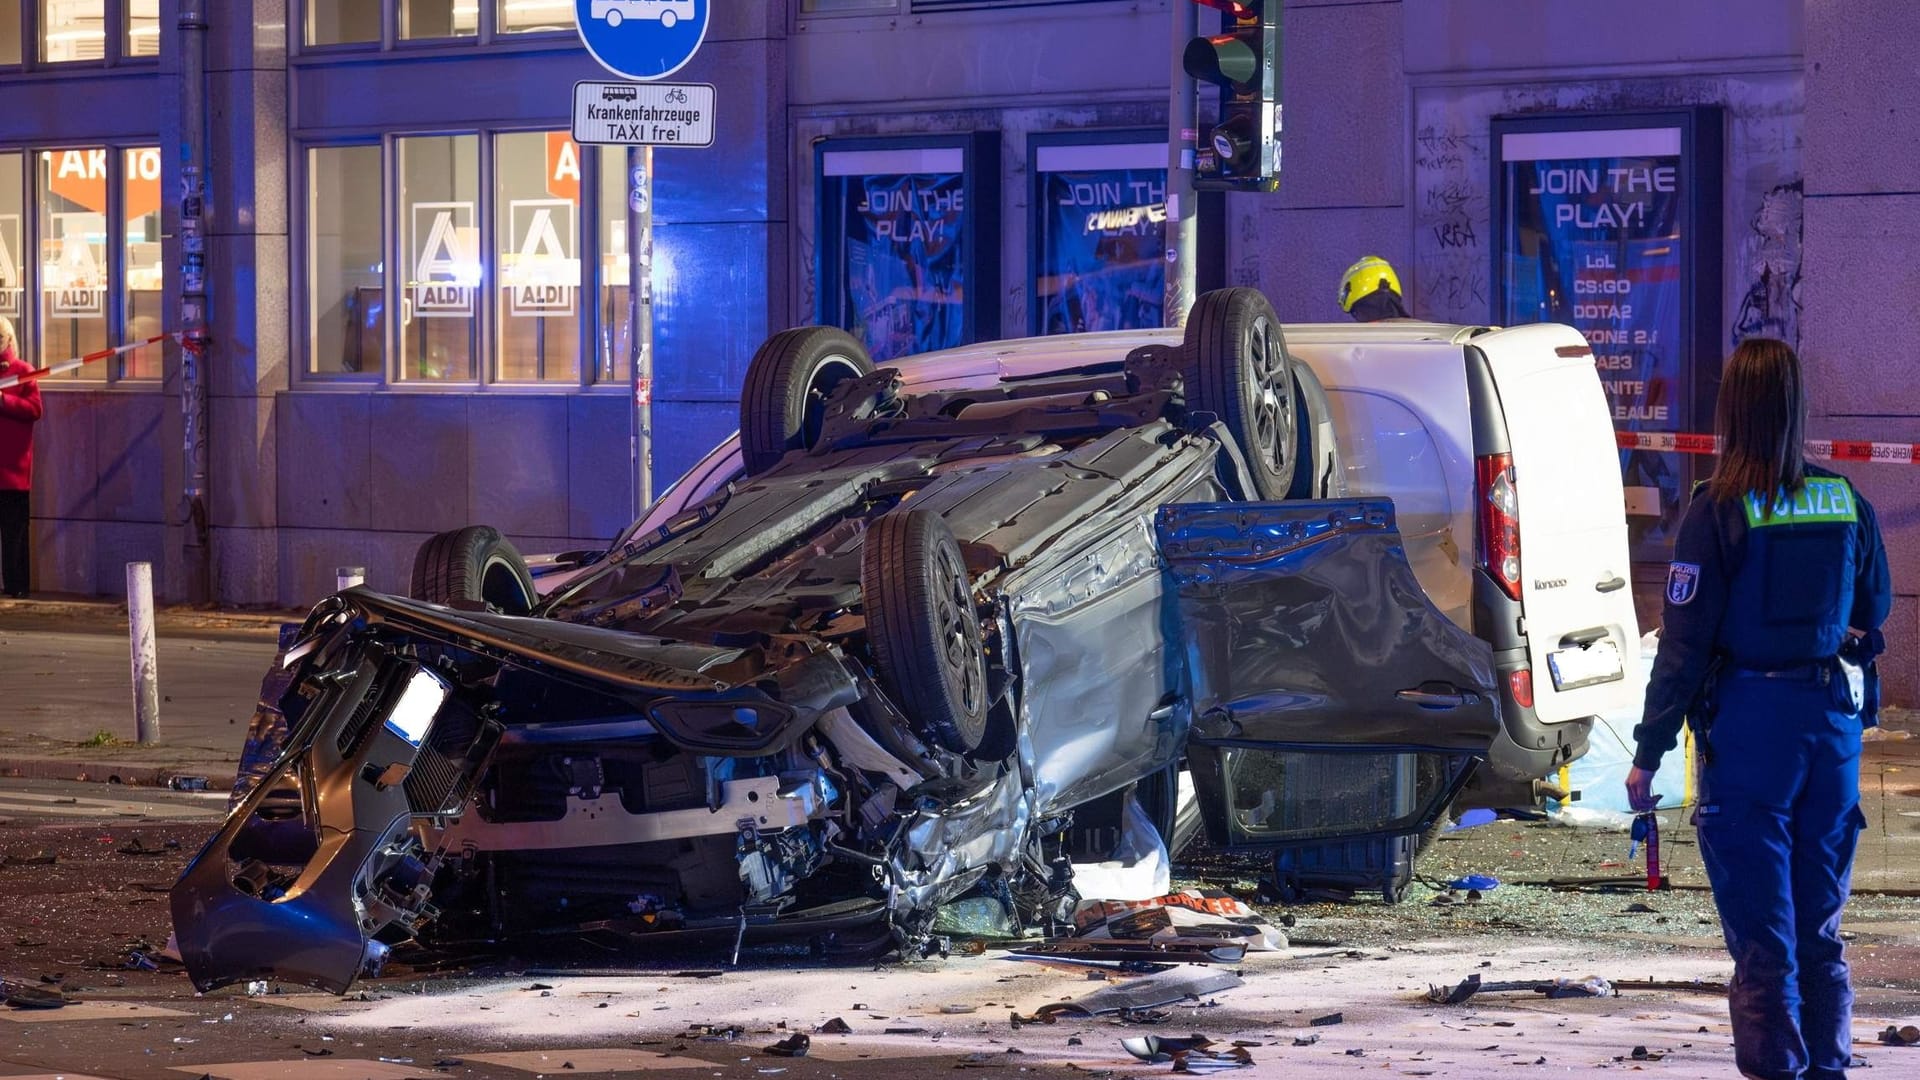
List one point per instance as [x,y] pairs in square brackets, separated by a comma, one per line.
[642,39]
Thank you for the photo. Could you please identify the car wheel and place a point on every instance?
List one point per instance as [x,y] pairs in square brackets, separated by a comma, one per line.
[923,629]
[613,18]
[788,382]
[667,19]
[1238,369]
[473,565]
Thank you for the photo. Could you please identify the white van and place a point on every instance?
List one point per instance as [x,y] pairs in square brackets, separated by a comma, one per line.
[1498,452]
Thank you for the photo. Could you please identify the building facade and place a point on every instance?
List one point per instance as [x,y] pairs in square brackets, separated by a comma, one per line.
[418,285]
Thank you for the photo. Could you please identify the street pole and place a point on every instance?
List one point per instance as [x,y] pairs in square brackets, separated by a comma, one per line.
[1182,207]
[146,663]
[194,340]
[640,319]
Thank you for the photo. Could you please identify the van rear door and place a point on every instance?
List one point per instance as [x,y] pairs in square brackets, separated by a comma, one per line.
[1583,637]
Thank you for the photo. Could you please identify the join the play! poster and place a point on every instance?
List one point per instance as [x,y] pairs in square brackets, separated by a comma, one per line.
[1099,262]
[905,261]
[1595,234]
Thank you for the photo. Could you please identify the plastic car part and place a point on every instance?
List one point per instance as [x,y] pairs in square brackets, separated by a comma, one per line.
[923,626]
[1317,472]
[470,566]
[788,382]
[1238,369]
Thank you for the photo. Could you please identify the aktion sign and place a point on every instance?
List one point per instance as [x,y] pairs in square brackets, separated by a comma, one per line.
[80,176]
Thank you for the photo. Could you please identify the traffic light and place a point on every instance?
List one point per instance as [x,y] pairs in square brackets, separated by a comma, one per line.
[1241,151]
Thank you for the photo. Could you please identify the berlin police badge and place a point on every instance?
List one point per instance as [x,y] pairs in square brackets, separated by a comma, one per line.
[1683,581]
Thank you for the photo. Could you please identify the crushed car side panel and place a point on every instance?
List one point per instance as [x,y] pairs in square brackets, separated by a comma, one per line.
[1330,697]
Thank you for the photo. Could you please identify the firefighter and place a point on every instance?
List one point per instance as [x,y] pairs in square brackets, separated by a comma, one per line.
[1778,570]
[1370,291]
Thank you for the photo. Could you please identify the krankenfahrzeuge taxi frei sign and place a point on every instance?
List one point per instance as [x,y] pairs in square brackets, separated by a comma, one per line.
[643,114]
[642,40]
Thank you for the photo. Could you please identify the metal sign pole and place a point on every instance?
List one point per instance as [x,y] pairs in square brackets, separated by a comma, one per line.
[1182,206]
[640,319]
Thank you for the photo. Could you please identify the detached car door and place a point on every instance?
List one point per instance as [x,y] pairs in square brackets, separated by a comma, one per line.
[1330,698]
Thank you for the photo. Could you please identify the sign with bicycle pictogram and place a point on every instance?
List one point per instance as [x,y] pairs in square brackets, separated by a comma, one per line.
[643,114]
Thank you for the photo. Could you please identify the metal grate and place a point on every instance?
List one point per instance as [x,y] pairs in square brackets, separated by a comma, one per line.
[372,705]
[437,770]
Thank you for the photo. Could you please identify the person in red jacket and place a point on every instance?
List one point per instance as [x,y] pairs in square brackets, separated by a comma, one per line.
[19,411]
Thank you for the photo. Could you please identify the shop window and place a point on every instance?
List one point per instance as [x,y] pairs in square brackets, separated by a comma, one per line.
[72,315]
[9,32]
[535,16]
[142,296]
[72,30]
[439,18]
[346,304]
[13,258]
[143,27]
[341,22]
[536,208]
[611,345]
[441,257]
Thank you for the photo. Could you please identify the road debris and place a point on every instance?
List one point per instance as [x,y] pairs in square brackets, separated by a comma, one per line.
[44,858]
[1189,913]
[1169,950]
[793,1046]
[836,1026]
[1591,986]
[23,996]
[1193,1054]
[1139,995]
[1900,1036]
[1328,1020]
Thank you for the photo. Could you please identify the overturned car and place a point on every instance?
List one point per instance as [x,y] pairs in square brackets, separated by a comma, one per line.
[908,656]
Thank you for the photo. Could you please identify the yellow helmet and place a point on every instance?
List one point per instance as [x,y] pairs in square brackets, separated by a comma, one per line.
[1365,277]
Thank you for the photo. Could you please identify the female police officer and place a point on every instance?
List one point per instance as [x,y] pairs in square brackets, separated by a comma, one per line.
[1774,562]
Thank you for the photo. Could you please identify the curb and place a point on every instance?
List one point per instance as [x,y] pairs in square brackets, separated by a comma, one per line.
[219,775]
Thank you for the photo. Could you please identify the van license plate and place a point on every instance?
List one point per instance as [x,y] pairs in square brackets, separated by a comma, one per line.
[1574,668]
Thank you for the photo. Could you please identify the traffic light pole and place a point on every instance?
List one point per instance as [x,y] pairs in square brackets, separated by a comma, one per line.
[1183,208]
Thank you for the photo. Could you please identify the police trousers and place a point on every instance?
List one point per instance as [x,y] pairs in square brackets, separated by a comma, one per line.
[1779,819]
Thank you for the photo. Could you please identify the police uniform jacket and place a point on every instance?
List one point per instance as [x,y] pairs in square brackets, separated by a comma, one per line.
[1764,585]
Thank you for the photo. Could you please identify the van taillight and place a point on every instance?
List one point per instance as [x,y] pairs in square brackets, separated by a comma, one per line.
[1499,520]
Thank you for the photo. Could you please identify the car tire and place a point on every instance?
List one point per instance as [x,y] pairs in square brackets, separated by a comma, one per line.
[923,629]
[1316,470]
[667,19]
[786,390]
[1237,368]
[614,18]
[470,566]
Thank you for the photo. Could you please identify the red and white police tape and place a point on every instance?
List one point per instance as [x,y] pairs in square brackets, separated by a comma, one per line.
[78,362]
[1894,453]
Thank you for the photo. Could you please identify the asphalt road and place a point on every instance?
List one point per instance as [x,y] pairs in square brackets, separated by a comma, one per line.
[84,870]
[74,686]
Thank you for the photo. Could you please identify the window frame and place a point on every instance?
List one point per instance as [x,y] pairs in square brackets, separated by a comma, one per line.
[114,308]
[487,34]
[116,23]
[393,284]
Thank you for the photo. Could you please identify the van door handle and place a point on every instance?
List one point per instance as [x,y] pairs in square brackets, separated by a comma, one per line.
[1433,696]
[1612,584]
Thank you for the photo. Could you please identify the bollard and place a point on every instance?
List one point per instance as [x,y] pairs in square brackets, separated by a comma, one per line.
[146,666]
[346,577]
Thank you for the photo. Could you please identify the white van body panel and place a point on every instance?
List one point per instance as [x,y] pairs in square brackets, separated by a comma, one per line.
[1574,564]
[1401,419]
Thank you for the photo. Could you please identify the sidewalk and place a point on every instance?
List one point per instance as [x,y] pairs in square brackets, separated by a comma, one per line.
[66,699]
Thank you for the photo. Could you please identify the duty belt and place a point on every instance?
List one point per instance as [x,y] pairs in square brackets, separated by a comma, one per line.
[1818,672]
